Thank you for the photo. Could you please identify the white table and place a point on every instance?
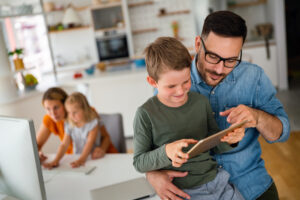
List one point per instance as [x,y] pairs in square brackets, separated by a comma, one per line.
[111,169]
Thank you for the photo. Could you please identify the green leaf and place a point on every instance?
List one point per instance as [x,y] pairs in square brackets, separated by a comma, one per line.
[19,51]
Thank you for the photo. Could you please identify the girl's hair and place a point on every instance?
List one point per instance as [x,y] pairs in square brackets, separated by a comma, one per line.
[81,101]
[55,93]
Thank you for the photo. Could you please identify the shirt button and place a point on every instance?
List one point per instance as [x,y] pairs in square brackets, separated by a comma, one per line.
[220,166]
[213,113]
[213,92]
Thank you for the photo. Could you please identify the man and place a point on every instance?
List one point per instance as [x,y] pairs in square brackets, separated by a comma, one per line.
[237,91]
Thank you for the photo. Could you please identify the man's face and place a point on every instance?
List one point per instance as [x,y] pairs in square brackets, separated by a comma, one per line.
[225,47]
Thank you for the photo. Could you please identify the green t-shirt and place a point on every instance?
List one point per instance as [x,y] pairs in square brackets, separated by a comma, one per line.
[156,125]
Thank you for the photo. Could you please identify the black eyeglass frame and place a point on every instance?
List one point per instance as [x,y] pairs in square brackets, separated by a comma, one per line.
[220,58]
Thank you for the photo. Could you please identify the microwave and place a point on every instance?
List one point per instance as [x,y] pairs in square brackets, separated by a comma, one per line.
[112,47]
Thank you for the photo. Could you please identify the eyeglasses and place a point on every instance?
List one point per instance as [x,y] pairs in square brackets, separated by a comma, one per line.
[213,58]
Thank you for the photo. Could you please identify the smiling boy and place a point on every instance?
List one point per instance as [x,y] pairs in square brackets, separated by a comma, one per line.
[166,125]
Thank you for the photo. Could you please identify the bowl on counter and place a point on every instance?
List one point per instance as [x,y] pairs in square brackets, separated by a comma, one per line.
[140,62]
[90,70]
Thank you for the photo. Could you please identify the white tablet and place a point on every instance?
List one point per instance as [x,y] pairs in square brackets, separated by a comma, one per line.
[212,141]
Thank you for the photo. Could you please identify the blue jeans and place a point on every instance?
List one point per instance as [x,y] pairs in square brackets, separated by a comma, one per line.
[217,189]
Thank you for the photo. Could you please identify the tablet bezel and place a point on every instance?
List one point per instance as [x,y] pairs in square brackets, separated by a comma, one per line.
[212,141]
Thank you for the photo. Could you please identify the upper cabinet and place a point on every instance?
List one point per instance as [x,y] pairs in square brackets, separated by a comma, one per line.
[69,17]
[15,8]
[71,34]
[108,16]
[258,15]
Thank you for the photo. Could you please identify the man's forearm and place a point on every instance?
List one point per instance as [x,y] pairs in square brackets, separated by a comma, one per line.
[269,126]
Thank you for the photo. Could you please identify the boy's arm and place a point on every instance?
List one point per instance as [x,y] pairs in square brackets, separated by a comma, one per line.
[146,158]
[63,147]
[92,135]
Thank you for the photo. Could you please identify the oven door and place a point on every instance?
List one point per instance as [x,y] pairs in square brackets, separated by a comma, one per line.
[112,47]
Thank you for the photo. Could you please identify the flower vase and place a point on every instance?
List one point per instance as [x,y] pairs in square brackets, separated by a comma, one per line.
[19,64]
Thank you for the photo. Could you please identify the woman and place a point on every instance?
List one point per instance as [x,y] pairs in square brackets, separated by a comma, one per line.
[53,122]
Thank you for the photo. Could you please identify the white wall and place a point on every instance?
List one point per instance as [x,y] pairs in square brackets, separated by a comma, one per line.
[145,17]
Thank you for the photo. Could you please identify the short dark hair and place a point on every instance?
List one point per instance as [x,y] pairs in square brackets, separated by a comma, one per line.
[166,53]
[55,93]
[225,23]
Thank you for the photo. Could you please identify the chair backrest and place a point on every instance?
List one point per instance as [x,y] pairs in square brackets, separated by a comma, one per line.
[114,126]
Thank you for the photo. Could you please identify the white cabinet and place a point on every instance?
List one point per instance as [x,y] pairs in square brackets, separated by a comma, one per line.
[258,56]
[122,93]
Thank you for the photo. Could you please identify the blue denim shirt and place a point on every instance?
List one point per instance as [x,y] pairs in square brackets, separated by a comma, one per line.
[247,84]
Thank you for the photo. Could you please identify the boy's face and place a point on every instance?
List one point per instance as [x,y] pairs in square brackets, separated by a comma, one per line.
[75,113]
[173,86]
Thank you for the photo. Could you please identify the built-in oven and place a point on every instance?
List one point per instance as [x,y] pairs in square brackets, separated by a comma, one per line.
[112,47]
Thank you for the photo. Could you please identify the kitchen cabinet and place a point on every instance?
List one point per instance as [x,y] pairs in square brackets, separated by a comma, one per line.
[255,53]
[257,12]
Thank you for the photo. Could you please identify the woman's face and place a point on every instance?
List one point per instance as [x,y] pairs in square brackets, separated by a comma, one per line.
[55,109]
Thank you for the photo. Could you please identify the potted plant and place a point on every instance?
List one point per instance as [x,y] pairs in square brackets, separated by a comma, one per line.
[18,61]
[175,28]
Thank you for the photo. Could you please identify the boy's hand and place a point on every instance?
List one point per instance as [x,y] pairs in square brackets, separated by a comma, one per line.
[77,163]
[174,151]
[234,136]
[50,165]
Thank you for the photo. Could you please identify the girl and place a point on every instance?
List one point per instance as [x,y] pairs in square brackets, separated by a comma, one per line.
[53,122]
[82,128]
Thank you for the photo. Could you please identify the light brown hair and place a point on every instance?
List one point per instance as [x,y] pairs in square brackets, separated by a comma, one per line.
[79,99]
[166,53]
[55,93]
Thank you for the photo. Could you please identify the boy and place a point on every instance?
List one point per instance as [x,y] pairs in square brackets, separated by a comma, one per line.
[162,123]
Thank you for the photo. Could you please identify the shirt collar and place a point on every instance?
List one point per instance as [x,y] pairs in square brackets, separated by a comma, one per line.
[196,78]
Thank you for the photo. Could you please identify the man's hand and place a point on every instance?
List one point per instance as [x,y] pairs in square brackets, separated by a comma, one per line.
[269,126]
[174,151]
[234,136]
[161,181]
[98,153]
[241,113]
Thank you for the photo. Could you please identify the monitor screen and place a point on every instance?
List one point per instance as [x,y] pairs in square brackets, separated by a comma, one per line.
[20,170]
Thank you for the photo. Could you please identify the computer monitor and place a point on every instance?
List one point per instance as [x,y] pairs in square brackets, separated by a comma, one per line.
[20,170]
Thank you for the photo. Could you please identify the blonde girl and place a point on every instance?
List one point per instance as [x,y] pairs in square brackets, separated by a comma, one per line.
[81,127]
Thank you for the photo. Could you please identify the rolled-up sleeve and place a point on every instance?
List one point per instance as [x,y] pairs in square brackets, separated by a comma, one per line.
[267,101]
